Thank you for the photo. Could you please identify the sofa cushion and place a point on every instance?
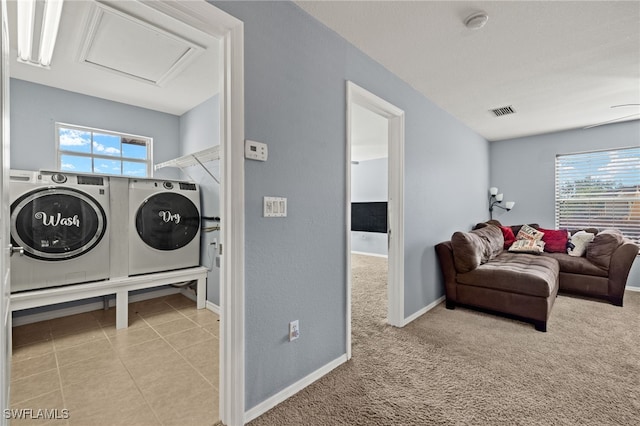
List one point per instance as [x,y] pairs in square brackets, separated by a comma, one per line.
[492,235]
[555,241]
[577,245]
[468,251]
[471,249]
[515,273]
[527,232]
[508,235]
[576,265]
[599,250]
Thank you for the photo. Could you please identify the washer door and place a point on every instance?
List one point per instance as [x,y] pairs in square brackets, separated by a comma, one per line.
[57,223]
[167,221]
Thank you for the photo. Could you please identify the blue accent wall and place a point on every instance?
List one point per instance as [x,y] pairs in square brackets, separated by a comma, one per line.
[524,170]
[200,129]
[36,108]
[295,98]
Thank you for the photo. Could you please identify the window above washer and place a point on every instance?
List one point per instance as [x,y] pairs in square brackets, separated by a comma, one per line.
[89,150]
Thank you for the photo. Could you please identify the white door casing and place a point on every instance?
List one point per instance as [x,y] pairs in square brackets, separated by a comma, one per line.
[5,242]
[395,117]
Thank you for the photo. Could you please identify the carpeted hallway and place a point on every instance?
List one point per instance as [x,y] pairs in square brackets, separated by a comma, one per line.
[464,367]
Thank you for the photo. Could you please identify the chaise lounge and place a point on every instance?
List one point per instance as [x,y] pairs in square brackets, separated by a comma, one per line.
[479,272]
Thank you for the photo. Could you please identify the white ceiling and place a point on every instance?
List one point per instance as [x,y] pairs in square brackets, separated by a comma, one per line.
[164,64]
[368,134]
[560,64]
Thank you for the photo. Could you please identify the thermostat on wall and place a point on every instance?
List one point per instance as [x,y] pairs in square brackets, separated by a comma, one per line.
[255,150]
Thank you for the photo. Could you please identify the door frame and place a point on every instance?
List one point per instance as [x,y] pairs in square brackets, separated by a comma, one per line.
[5,244]
[395,117]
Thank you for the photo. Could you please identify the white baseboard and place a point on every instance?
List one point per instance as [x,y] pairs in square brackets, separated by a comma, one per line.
[191,294]
[88,307]
[423,310]
[276,399]
[632,288]
[370,254]
[213,307]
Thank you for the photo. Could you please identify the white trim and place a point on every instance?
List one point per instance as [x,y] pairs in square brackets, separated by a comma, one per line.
[232,320]
[370,254]
[291,390]
[88,307]
[631,288]
[424,310]
[348,220]
[395,116]
[212,307]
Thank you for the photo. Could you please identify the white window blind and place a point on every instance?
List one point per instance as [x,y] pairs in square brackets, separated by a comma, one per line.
[599,189]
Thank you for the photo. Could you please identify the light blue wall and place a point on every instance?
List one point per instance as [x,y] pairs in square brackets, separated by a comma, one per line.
[446,176]
[524,170]
[369,182]
[35,109]
[295,77]
[200,129]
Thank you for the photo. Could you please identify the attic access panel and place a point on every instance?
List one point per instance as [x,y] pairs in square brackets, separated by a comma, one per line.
[121,43]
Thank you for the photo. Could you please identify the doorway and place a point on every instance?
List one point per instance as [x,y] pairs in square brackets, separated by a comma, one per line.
[204,17]
[381,117]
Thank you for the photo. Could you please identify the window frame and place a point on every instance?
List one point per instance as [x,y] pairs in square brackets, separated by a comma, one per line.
[602,196]
[148,162]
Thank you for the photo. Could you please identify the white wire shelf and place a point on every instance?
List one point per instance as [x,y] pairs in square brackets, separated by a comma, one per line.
[200,157]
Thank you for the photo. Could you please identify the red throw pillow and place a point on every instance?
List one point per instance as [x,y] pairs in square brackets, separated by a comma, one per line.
[509,237]
[555,241]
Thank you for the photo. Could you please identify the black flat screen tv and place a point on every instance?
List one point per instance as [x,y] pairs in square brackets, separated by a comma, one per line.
[369,217]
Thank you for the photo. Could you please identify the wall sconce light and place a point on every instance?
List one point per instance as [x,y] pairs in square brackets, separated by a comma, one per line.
[47,13]
[495,199]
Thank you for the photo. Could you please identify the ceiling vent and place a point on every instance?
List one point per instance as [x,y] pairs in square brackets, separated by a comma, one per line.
[499,112]
[121,43]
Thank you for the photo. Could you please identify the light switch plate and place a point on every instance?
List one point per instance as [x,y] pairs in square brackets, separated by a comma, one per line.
[255,150]
[275,207]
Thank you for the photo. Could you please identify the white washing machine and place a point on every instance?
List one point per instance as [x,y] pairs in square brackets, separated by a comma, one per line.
[60,220]
[164,225]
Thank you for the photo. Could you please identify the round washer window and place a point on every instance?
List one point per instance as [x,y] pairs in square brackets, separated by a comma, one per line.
[167,221]
[57,223]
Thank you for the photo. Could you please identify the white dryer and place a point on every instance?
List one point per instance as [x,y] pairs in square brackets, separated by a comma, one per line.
[60,220]
[164,225]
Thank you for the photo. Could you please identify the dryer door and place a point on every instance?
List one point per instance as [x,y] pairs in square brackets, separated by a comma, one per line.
[167,221]
[57,223]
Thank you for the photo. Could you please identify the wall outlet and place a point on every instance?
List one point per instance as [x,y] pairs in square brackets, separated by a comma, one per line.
[294,330]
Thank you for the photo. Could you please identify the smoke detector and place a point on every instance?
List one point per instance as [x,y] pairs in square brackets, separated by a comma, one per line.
[476,20]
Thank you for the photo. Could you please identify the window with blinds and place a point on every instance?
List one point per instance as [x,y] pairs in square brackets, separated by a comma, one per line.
[599,189]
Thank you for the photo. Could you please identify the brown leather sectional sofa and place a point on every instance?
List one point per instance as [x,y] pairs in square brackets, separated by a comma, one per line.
[478,272]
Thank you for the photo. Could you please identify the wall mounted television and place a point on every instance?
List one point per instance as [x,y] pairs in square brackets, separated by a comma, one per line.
[369,217]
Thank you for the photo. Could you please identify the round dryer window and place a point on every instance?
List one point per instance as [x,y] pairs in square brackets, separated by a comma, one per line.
[57,223]
[167,221]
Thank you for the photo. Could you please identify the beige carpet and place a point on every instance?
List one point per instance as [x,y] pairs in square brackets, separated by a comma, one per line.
[464,367]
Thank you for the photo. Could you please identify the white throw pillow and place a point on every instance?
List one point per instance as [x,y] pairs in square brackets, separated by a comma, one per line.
[527,246]
[578,244]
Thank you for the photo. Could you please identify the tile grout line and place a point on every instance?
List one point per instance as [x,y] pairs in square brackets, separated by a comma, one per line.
[177,351]
[155,415]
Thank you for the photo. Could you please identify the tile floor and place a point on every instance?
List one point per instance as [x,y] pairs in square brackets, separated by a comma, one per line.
[162,370]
